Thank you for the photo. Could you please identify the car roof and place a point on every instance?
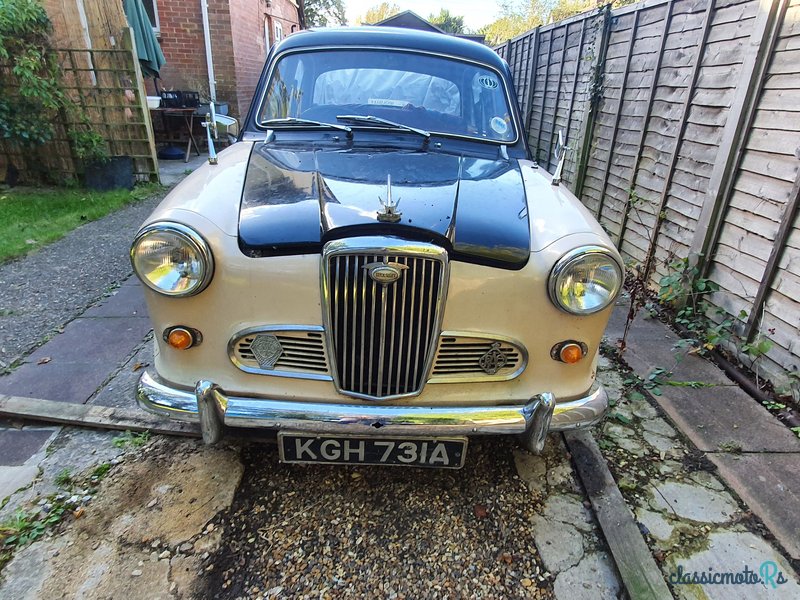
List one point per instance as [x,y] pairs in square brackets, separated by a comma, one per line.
[394,37]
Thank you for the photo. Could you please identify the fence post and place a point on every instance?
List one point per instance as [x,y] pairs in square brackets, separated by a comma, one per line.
[594,101]
[737,127]
[651,250]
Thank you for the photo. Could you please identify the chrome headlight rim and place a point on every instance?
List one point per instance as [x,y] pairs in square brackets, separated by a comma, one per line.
[567,261]
[193,239]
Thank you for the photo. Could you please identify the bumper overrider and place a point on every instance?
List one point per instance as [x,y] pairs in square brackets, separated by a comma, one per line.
[212,408]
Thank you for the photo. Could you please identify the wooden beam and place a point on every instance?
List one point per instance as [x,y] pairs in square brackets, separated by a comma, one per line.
[89,415]
[618,113]
[594,100]
[775,254]
[687,103]
[651,96]
[637,568]
[763,38]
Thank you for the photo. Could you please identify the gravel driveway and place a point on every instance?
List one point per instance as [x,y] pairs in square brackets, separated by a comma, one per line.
[298,531]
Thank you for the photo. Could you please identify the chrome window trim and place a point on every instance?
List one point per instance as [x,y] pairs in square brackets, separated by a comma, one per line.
[509,100]
[195,239]
[382,246]
[277,372]
[565,261]
[473,378]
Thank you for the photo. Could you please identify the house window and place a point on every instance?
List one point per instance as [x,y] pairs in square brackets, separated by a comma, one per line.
[151,9]
[278,31]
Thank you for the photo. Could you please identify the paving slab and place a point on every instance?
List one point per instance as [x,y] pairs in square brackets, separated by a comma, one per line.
[127,301]
[730,552]
[14,478]
[120,391]
[18,445]
[711,417]
[770,485]
[694,502]
[74,364]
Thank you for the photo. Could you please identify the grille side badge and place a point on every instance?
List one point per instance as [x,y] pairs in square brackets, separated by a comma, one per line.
[493,360]
[267,350]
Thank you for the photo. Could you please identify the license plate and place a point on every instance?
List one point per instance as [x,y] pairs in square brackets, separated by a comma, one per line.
[447,453]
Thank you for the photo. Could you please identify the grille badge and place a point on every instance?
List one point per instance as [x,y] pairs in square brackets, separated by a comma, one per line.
[493,360]
[267,350]
[385,273]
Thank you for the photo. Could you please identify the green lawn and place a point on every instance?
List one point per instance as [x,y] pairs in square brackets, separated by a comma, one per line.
[33,217]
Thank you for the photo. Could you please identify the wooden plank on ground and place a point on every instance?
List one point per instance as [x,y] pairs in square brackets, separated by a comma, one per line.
[83,415]
[640,574]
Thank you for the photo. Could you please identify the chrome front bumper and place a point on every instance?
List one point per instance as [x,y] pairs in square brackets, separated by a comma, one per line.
[213,408]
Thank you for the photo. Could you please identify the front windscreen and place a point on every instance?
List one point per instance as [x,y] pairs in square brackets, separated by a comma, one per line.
[437,94]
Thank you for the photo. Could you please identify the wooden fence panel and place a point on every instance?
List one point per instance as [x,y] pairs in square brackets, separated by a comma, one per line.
[554,69]
[686,119]
[756,259]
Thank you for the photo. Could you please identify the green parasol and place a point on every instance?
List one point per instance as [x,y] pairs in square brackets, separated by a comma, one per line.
[147,46]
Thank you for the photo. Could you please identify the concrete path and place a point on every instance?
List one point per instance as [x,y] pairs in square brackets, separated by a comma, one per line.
[757,456]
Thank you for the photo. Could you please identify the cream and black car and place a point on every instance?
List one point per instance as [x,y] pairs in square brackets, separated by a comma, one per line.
[376,269]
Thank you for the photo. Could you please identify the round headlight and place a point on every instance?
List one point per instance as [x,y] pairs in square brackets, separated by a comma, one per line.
[172,259]
[585,280]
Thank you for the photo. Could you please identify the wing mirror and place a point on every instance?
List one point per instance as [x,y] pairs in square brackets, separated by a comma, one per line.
[212,123]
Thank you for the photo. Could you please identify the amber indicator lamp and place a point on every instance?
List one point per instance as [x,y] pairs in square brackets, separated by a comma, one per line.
[181,338]
[569,351]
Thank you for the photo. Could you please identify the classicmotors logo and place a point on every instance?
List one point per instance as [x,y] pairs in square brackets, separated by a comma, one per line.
[768,574]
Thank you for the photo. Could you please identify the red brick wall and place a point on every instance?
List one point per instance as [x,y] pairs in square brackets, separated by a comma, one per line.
[249,43]
[237,45]
[183,46]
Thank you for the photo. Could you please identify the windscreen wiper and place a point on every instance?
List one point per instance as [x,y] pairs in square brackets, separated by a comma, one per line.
[384,123]
[294,121]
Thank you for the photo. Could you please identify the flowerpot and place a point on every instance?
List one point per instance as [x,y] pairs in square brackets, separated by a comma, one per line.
[116,173]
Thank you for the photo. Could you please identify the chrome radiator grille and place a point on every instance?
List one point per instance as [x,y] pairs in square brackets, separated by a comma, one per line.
[383,335]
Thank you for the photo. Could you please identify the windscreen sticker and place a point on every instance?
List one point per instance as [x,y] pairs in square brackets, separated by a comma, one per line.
[388,102]
[499,125]
[490,83]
